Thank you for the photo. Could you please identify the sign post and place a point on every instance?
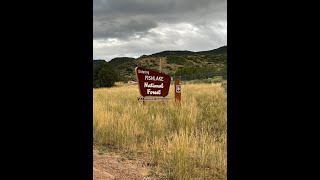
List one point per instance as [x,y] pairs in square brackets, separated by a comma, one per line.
[153,86]
[177,91]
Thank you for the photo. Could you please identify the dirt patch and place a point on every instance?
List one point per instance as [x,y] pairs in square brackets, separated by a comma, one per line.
[111,166]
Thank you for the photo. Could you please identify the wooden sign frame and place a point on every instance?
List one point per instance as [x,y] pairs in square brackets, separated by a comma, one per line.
[153,85]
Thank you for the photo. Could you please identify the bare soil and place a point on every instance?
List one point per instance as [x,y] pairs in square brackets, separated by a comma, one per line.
[112,165]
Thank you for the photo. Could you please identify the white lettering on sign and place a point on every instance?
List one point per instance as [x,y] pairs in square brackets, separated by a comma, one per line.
[143,72]
[152,85]
[153,78]
[178,88]
[153,92]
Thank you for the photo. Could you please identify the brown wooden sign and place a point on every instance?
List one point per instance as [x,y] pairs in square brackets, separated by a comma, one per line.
[152,83]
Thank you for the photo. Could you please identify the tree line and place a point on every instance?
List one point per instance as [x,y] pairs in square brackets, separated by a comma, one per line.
[105,74]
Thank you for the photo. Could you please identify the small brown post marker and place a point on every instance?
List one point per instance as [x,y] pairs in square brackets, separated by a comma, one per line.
[177,91]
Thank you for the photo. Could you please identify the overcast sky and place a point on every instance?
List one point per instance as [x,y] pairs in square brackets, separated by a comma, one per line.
[130,28]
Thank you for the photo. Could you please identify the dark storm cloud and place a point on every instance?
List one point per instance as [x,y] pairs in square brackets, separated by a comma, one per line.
[120,28]
[152,25]
[124,18]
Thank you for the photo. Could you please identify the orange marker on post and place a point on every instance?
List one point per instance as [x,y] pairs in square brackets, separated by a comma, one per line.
[177,91]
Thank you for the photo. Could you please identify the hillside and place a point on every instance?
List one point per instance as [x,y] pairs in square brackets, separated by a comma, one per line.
[175,62]
[220,50]
[97,63]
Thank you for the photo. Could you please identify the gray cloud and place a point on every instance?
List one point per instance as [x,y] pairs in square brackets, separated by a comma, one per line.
[136,27]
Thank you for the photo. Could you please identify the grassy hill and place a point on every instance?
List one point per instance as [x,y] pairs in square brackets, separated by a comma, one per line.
[174,62]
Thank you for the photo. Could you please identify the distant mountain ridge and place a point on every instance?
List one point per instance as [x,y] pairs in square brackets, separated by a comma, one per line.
[172,61]
[221,50]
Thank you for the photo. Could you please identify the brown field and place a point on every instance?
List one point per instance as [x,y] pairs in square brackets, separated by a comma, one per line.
[176,142]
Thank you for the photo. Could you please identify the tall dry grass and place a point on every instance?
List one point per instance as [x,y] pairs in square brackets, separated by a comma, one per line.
[186,142]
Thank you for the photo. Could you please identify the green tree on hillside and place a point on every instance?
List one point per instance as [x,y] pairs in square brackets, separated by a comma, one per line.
[104,76]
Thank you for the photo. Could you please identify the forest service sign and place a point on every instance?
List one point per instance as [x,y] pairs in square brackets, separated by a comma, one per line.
[152,83]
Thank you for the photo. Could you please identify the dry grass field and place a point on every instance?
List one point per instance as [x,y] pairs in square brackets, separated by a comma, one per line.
[182,142]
